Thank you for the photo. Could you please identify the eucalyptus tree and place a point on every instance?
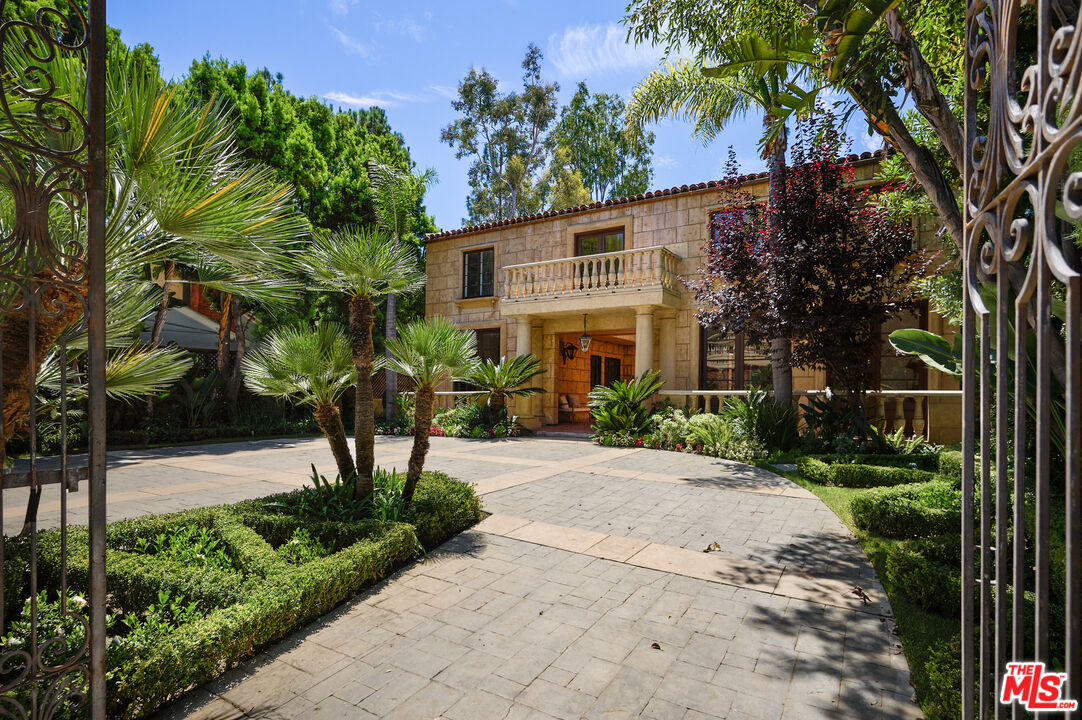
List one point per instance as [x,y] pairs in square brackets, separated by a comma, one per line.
[309,366]
[365,264]
[397,196]
[613,163]
[431,351]
[506,135]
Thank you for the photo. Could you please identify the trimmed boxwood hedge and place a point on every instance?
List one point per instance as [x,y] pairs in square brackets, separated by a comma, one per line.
[950,464]
[843,474]
[261,600]
[927,572]
[909,511]
[922,461]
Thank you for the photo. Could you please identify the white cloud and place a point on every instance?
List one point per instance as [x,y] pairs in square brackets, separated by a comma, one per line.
[666,161]
[405,26]
[340,7]
[587,49]
[447,91]
[359,101]
[380,98]
[351,43]
[872,142]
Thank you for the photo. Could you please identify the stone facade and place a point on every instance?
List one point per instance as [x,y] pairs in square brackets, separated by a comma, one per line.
[540,314]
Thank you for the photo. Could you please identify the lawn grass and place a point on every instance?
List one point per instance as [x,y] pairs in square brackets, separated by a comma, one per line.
[917,629]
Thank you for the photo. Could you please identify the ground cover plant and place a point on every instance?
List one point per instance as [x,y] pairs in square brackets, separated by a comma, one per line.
[194,593]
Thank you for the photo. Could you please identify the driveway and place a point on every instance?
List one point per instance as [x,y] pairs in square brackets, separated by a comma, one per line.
[606,583]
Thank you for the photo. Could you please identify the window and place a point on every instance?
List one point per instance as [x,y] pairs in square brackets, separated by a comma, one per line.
[488,344]
[728,363]
[477,273]
[600,242]
[612,370]
[488,348]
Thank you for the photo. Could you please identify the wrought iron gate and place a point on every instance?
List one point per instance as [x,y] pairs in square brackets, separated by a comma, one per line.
[52,307]
[1022,496]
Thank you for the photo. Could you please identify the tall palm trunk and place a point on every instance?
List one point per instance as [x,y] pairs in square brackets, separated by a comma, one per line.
[390,378]
[329,419]
[364,421]
[422,425]
[237,378]
[781,349]
[225,324]
[159,322]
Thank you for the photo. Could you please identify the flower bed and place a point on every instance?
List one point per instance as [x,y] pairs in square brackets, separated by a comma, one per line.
[194,593]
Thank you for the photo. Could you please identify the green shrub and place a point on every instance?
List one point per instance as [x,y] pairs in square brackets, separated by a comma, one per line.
[185,622]
[723,438]
[852,475]
[927,572]
[943,701]
[621,408]
[771,424]
[950,464]
[441,507]
[909,511]
[923,461]
[815,470]
[866,476]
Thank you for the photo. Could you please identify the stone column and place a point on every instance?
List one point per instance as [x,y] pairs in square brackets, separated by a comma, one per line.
[644,339]
[524,336]
[666,342]
[525,407]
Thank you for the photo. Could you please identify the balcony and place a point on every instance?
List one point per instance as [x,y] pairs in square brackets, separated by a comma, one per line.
[628,278]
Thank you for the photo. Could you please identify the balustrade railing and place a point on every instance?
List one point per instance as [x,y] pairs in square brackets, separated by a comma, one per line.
[651,267]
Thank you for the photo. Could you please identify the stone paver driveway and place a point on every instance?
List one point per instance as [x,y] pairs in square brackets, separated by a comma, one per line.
[585,594]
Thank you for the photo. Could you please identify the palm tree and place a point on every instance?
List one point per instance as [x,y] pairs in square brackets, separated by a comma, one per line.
[178,191]
[397,197]
[366,264]
[308,366]
[506,379]
[710,97]
[431,351]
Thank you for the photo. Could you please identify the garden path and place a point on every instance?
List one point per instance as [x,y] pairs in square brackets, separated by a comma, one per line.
[585,594]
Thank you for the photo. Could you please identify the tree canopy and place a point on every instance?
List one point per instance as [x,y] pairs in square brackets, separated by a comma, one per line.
[613,163]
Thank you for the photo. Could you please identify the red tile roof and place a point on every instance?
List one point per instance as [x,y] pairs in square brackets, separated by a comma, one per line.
[862,159]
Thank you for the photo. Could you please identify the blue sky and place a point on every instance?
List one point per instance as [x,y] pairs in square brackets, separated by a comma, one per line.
[408,57]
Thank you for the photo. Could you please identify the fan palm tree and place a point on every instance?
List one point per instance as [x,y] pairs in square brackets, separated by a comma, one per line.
[431,351]
[178,189]
[366,264]
[505,379]
[397,197]
[308,366]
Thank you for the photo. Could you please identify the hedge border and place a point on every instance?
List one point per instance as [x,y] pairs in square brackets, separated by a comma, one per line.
[265,599]
[854,475]
[901,512]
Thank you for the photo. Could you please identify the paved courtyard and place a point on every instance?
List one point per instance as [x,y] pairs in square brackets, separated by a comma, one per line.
[585,594]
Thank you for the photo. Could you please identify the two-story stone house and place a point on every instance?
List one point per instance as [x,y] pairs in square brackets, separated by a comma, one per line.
[613,271]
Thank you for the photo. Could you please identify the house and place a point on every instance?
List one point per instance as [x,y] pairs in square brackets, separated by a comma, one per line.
[613,272]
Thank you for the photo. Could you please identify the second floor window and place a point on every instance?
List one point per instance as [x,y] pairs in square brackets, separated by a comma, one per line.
[605,241]
[477,273]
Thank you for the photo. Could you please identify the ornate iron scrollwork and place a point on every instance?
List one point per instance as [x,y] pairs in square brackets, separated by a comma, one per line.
[52,206]
[1022,383]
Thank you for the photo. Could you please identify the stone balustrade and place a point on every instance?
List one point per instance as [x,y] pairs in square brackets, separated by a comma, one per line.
[647,268]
